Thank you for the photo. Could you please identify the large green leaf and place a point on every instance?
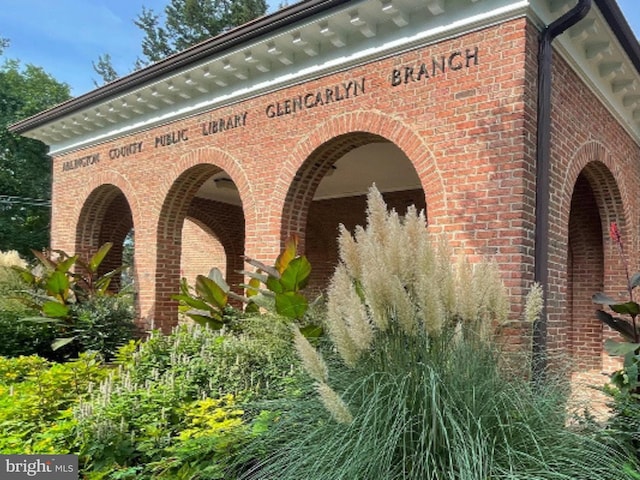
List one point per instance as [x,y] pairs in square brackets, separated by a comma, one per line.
[61,342]
[211,292]
[206,321]
[58,285]
[191,302]
[296,276]
[216,275]
[64,265]
[291,305]
[288,254]
[603,299]
[620,325]
[274,285]
[98,257]
[312,331]
[618,349]
[55,309]
[629,308]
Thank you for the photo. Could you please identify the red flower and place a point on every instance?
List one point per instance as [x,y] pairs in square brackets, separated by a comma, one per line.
[615,233]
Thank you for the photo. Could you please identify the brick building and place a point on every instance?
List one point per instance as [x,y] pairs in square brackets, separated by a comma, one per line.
[281,125]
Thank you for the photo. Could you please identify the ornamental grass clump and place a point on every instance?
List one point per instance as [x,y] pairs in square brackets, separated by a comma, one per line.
[411,383]
[396,284]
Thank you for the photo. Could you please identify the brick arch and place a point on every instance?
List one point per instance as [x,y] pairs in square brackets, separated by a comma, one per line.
[605,177]
[177,192]
[232,239]
[213,157]
[109,212]
[104,187]
[585,276]
[317,152]
[594,194]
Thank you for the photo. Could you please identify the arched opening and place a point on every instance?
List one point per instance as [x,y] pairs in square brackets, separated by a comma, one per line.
[330,189]
[585,276]
[593,262]
[105,217]
[202,209]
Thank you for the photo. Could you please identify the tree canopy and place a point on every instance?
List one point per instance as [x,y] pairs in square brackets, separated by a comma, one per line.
[183,23]
[25,168]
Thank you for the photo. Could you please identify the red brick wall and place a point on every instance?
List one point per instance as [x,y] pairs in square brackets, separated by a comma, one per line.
[469,133]
[588,147]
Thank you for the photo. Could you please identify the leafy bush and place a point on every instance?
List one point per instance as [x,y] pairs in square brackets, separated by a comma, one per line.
[624,387]
[186,400]
[73,300]
[103,324]
[37,398]
[19,338]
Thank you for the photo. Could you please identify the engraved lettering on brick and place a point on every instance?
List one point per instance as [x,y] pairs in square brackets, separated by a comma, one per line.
[172,138]
[225,124]
[125,150]
[438,65]
[80,162]
[319,98]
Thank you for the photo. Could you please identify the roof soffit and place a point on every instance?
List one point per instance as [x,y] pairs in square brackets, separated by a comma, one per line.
[349,34]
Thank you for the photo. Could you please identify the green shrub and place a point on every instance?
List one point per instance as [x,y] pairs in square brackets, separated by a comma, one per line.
[37,398]
[157,416]
[19,338]
[70,298]
[103,324]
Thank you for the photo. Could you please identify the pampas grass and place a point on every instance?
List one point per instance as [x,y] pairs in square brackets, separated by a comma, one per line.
[413,385]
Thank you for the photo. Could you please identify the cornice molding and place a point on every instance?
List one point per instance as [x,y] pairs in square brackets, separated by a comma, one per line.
[323,41]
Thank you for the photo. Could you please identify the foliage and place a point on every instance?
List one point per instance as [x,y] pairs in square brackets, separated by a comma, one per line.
[443,410]
[25,169]
[206,302]
[214,430]
[19,338]
[185,402]
[280,292]
[183,24]
[36,402]
[422,395]
[391,277]
[628,378]
[75,302]
[625,382]
[283,283]
[104,67]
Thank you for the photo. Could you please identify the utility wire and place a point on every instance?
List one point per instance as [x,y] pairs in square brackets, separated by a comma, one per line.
[32,202]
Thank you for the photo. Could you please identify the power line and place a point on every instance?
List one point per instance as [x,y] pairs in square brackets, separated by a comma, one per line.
[32,202]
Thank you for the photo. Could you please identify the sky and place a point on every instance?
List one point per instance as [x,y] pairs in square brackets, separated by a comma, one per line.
[65,36]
